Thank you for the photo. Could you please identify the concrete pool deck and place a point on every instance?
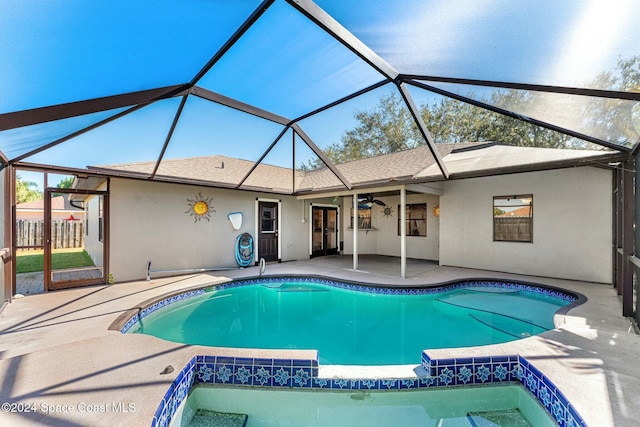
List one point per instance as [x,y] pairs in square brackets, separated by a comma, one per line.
[60,365]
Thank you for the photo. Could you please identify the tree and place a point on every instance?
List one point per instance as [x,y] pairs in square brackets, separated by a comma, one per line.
[389,127]
[64,183]
[613,119]
[386,128]
[27,191]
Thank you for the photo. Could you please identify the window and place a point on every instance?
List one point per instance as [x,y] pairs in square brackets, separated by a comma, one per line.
[416,219]
[364,217]
[513,218]
[269,218]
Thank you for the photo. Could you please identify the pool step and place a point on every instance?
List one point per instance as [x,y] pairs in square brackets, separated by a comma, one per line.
[204,418]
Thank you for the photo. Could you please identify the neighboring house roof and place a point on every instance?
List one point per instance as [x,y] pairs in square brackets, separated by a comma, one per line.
[413,165]
[58,203]
[524,211]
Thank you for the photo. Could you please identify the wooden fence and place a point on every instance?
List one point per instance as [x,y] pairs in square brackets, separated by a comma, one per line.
[64,233]
[513,229]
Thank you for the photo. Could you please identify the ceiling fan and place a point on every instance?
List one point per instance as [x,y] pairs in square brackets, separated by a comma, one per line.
[368,200]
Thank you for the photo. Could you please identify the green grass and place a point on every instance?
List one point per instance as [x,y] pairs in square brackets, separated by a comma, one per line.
[28,262]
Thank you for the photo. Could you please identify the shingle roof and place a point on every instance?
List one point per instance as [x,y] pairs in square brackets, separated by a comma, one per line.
[221,170]
[522,212]
[496,156]
[417,164]
[58,203]
[401,165]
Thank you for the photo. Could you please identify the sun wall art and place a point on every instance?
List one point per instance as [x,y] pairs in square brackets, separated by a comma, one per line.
[200,207]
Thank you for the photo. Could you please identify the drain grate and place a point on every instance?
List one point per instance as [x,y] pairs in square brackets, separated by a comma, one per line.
[509,417]
[204,418]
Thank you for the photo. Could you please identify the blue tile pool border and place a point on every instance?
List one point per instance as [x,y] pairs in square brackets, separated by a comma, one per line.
[303,374]
[129,323]
[141,314]
[413,290]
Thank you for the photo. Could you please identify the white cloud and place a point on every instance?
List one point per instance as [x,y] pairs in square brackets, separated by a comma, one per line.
[590,43]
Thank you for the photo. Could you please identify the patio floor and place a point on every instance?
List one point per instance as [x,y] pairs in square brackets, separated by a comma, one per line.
[33,283]
[57,355]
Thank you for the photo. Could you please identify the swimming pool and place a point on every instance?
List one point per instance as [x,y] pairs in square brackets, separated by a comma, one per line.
[349,323]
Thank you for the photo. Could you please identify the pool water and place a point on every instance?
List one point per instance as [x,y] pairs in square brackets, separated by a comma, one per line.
[352,327]
[499,405]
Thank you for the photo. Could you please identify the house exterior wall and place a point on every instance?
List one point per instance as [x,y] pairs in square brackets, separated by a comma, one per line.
[572,220]
[384,240]
[92,243]
[150,222]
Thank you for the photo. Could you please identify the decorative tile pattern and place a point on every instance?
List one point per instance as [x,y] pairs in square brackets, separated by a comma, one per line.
[177,393]
[297,373]
[135,320]
[276,281]
[549,395]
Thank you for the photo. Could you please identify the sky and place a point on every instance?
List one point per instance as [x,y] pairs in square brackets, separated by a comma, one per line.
[283,64]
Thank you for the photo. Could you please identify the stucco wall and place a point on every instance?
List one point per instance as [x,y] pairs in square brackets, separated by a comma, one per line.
[571,224]
[384,240]
[149,222]
[92,243]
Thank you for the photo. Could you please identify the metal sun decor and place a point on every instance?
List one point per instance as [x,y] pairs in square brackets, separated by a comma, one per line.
[200,207]
[436,211]
[387,211]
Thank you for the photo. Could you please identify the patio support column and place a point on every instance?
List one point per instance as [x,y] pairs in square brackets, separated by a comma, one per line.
[355,231]
[626,287]
[403,232]
[617,236]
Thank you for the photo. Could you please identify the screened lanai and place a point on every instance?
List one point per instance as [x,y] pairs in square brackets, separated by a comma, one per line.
[87,88]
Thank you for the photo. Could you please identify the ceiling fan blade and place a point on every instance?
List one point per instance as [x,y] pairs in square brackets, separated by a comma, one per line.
[380,202]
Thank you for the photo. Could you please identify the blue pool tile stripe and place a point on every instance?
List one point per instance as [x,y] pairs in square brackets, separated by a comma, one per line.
[135,320]
[175,395]
[276,280]
[549,395]
[303,373]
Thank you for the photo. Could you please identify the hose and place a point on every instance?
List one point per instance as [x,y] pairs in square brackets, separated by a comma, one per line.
[244,249]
